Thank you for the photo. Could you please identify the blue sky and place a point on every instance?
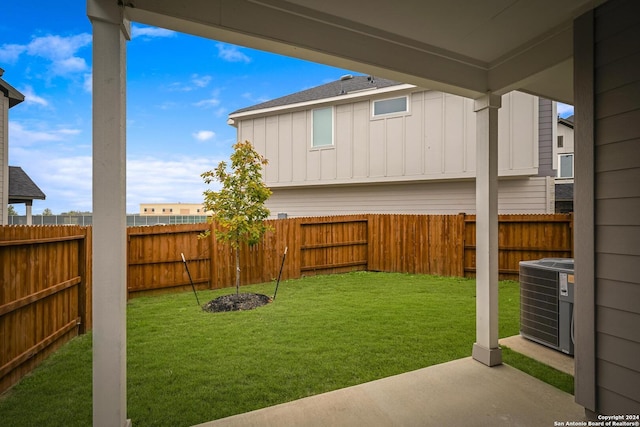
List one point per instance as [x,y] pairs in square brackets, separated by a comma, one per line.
[180,90]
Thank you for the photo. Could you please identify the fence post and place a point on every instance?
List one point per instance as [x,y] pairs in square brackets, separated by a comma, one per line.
[461,243]
[82,286]
[571,233]
[212,255]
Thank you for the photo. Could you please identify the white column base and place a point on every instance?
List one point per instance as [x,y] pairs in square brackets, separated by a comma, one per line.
[487,356]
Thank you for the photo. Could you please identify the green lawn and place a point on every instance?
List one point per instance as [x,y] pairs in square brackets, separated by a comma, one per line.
[186,366]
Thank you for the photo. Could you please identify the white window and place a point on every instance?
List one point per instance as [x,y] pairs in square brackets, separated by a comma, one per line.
[390,106]
[565,166]
[322,123]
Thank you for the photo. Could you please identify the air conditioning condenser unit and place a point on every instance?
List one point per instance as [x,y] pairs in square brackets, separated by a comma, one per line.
[546,302]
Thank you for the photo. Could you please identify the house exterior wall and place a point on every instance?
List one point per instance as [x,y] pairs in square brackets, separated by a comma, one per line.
[617,202]
[533,195]
[434,140]
[547,111]
[4,159]
[607,380]
[158,209]
[567,143]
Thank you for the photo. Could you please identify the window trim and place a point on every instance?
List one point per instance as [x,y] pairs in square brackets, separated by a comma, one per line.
[333,124]
[406,111]
[573,172]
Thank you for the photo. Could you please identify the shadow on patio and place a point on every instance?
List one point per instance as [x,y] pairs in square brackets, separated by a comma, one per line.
[463,392]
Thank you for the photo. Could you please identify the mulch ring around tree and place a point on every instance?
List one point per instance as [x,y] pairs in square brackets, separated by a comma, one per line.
[236,302]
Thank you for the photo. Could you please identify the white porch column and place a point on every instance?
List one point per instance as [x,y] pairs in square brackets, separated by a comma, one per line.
[486,348]
[27,209]
[110,33]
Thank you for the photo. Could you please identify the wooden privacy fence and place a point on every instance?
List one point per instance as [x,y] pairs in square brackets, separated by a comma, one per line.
[45,272]
[522,238]
[45,294]
[425,244]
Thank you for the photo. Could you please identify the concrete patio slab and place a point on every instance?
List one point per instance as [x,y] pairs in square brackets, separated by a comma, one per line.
[463,392]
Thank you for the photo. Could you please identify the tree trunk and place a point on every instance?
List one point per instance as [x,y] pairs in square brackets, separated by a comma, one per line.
[237,271]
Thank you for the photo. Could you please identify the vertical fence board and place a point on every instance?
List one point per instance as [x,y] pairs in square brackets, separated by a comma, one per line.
[43,283]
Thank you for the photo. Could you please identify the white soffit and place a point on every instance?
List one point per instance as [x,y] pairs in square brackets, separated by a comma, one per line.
[465,47]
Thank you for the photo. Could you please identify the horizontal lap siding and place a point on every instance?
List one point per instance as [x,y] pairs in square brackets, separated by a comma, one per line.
[617,197]
[517,196]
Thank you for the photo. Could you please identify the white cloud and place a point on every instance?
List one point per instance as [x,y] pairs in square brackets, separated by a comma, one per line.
[69,65]
[31,98]
[10,53]
[57,48]
[231,53]
[221,112]
[212,102]
[153,179]
[61,51]
[168,105]
[23,137]
[196,82]
[200,81]
[87,85]
[254,99]
[66,181]
[148,33]
[204,135]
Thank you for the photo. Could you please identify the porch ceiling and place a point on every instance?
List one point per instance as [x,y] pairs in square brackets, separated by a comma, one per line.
[459,46]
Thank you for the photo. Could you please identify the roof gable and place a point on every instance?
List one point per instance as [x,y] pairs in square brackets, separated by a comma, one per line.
[346,85]
[22,187]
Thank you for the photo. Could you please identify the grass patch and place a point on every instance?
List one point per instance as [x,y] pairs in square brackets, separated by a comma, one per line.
[549,375]
[186,366]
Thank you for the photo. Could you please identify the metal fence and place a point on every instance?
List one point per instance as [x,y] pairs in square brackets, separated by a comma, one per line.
[85,220]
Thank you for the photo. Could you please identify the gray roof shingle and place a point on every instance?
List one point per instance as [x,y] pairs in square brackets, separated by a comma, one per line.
[21,187]
[329,90]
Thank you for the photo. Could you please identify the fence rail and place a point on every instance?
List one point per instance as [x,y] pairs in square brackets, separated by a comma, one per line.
[45,293]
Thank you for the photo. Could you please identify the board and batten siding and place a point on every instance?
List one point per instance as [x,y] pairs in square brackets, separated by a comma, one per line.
[611,67]
[434,140]
[529,195]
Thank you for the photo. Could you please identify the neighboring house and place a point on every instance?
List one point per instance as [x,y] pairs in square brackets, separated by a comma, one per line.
[22,189]
[9,97]
[343,147]
[564,165]
[158,209]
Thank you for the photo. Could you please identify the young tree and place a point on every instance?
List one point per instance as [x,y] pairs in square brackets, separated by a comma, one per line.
[12,211]
[239,206]
[47,212]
